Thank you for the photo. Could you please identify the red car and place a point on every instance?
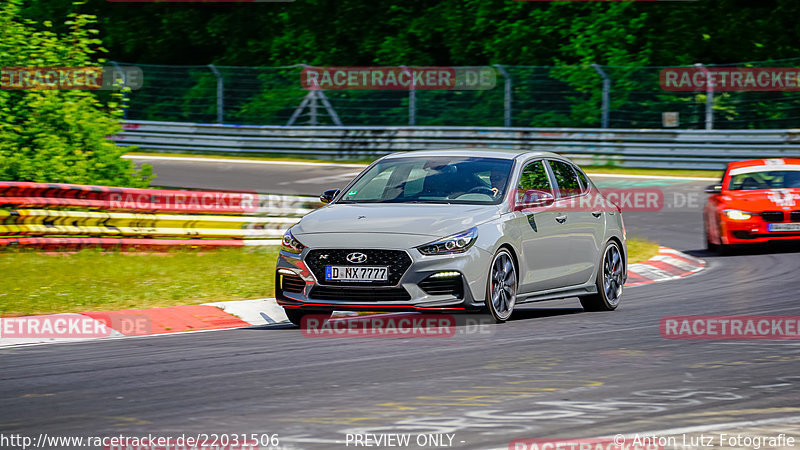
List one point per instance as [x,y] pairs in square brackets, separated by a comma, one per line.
[757,201]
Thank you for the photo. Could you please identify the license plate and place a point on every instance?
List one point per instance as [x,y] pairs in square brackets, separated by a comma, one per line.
[783,227]
[356,273]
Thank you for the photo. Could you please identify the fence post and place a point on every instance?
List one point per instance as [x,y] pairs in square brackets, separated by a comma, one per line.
[606,95]
[507,94]
[412,99]
[124,101]
[312,109]
[328,107]
[709,97]
[220,93]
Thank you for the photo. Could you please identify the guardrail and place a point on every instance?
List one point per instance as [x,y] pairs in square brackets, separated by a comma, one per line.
[654,148]
[46,215]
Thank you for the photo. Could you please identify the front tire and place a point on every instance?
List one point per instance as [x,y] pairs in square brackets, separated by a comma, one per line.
[710,246]
[610,276]
[501,289]
[296,315]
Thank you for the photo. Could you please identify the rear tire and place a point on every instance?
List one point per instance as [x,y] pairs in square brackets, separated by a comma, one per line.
[296,316]
[610,276]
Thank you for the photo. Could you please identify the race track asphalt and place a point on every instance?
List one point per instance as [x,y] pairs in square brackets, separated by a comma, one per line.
[552,371]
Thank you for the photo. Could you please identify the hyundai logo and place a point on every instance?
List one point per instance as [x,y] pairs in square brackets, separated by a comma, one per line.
[357,258]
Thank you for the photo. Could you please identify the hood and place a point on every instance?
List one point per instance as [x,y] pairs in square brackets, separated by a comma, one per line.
[763,199]
[425,221]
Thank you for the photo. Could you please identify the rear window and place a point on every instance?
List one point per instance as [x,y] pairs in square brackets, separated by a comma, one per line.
[566,179]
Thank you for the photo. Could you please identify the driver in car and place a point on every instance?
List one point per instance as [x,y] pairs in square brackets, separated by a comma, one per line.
[498,180]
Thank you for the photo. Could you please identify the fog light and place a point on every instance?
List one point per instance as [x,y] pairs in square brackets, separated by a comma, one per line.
[445,275]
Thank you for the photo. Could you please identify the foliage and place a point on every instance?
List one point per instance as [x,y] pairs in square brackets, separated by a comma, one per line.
[57,136]
[568,35]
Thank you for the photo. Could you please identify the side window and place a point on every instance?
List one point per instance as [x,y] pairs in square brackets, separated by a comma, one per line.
[584,181]
[534,176]
[565,178]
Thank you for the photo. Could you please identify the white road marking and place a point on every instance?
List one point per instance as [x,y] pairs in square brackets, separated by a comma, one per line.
[307,163]
[344,177]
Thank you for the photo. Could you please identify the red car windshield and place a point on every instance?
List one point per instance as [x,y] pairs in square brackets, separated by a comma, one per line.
[770,179]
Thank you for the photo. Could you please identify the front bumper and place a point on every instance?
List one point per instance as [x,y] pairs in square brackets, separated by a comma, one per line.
[753,231]
[298,283]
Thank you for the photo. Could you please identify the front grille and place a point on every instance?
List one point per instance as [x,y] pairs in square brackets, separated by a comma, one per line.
[739,234]
[772,216]
[443,286]
[292,283]
[795,216]
[397,294]
[397,261]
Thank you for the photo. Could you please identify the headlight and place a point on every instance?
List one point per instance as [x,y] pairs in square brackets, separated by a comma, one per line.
[457,243]
[735,214]
[290,244]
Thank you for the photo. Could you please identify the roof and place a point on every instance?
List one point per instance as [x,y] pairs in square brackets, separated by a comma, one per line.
[475,152]
[763,162]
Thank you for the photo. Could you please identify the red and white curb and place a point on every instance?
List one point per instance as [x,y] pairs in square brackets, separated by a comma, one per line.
[667,265]
[76,327]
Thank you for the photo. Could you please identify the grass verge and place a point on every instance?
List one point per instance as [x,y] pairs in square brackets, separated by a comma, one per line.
[93,280]
[611,170]
[641,250]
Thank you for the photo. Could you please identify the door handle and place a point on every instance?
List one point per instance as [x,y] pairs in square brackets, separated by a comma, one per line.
[597,214]
[561,219]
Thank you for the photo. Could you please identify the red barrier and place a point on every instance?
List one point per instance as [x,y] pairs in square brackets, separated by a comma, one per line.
[155,244]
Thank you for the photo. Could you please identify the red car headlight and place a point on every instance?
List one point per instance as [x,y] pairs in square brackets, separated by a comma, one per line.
[735,214]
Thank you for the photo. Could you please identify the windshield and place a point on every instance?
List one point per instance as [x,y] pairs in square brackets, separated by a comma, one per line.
[771,179]
[426,180]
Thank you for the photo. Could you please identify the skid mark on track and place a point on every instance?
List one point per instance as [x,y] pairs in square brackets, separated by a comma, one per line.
[539,416]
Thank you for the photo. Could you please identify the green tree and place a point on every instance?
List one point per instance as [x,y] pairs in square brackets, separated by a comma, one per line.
[58,136]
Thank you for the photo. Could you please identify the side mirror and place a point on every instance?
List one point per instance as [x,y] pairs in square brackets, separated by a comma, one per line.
[533,199]
[328,195]
[714,189]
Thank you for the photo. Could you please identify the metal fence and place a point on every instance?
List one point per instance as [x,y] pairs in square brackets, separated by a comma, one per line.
[528,96]
[687,149]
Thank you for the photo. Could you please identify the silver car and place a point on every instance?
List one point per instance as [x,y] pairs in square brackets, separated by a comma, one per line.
[456,230]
